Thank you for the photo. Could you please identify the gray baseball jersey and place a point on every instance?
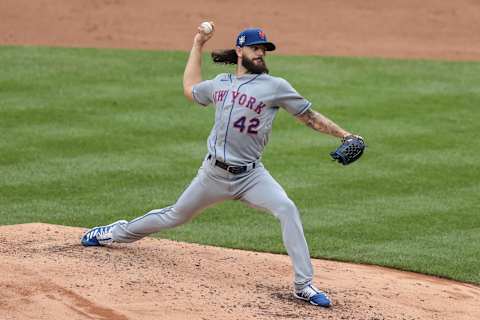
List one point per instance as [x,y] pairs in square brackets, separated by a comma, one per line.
[245,109]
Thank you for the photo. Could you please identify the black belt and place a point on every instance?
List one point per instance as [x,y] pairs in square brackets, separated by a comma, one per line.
[230,168]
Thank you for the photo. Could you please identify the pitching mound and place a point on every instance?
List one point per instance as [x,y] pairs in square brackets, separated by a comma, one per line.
[47,274]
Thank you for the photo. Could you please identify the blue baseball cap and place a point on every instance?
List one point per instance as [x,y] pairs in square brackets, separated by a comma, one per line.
[253,36]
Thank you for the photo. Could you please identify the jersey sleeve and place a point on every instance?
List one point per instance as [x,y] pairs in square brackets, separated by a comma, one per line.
[202,92]
[289,99]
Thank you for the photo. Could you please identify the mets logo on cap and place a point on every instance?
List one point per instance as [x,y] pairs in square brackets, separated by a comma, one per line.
[241,40]
[261,34]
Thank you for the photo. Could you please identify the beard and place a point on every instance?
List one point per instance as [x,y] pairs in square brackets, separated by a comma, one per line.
[256,68]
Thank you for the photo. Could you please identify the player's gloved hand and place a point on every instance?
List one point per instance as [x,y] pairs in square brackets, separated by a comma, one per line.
[350,150]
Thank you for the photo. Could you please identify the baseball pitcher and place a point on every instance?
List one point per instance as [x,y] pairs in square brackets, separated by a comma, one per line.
[245,103]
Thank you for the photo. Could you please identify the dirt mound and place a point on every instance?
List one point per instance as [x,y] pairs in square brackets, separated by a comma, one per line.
[47,274]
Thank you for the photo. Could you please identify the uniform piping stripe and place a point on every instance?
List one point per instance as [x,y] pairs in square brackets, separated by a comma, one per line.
[215,143]
[153,212]
[229,117]
[223,104]
[309,104]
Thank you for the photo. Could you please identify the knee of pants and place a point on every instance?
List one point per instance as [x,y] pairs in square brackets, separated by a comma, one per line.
[164,218]
[179,215]
[286,209]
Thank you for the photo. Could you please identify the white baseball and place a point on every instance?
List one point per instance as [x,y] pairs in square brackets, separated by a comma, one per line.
[206,27]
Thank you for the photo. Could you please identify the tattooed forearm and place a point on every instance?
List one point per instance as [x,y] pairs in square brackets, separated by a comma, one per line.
[320,123]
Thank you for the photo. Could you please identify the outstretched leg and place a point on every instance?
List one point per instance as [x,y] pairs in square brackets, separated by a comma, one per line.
[202,192]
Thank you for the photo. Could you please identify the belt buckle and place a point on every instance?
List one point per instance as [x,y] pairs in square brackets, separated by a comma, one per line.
[234,169]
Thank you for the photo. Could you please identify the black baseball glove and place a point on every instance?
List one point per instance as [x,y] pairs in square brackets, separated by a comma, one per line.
[351,149]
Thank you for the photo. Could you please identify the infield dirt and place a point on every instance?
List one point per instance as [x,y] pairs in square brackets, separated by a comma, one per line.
[46,274]
[400,28]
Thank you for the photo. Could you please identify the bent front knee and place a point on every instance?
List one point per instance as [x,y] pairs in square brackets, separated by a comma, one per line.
[286,208]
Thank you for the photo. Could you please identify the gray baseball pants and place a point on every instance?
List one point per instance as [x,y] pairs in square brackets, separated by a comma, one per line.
[256,187]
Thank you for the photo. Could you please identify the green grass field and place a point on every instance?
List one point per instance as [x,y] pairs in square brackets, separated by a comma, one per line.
[88,136]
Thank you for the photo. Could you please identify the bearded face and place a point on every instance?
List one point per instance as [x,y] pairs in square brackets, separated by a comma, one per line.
[255,65]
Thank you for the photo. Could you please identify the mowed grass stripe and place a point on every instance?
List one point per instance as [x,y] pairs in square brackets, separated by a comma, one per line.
[93,135]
